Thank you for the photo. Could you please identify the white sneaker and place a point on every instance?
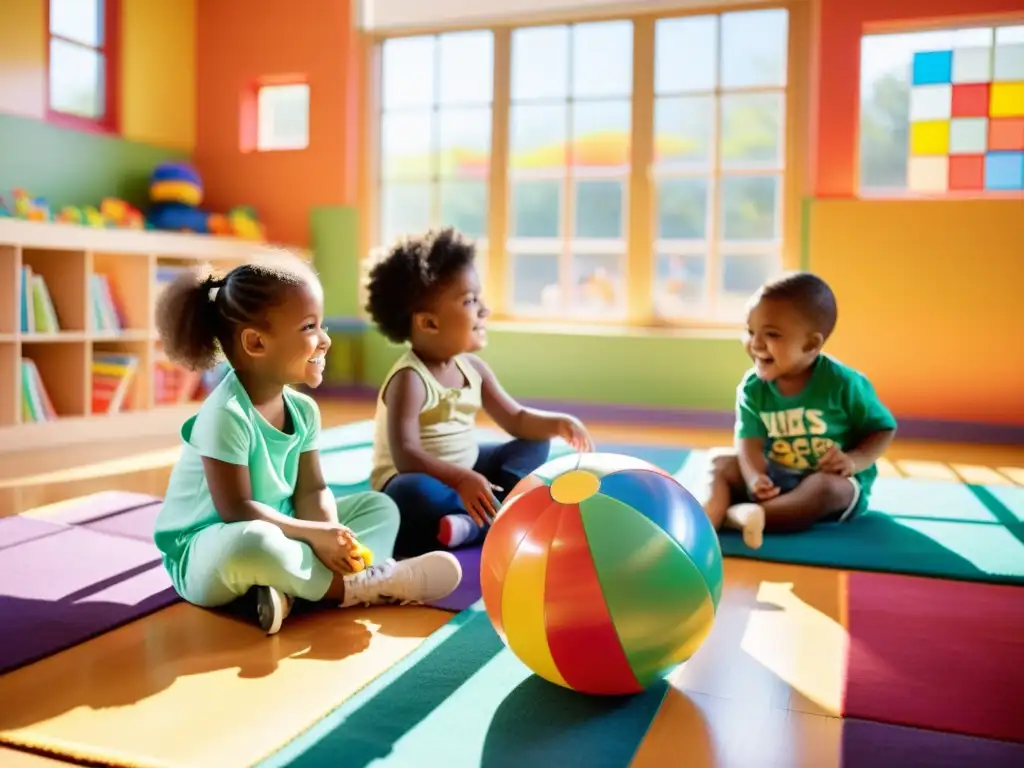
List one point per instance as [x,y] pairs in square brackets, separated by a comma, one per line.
[422,579]
[272,608]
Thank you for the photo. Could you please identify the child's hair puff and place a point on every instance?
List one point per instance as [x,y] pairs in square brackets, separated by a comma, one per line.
[403,278]
[199,314]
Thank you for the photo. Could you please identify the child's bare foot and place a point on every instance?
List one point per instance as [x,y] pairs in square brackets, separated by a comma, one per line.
[748,518]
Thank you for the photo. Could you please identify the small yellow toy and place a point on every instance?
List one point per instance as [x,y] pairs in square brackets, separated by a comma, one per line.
[363,558]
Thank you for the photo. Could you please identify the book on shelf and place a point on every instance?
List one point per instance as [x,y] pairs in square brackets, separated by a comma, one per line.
[107,315]
[112,377]
[38,315]
[35,402]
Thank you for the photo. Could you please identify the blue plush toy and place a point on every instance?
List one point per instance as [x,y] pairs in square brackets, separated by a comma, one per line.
[175,191]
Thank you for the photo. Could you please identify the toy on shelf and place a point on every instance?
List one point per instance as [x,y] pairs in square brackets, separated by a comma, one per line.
[176,190]
[240,222]
[23,206]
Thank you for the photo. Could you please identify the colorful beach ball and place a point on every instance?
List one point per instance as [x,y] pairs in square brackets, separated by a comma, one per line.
[601,573]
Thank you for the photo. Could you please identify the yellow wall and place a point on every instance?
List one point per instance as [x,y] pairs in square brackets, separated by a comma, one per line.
[22,58]
[157,72]
[929,301]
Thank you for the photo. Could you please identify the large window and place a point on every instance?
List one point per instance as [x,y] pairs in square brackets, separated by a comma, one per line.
[435,134]
[569,150]
[81,70]
[638,165]
[942,111]
[719,157]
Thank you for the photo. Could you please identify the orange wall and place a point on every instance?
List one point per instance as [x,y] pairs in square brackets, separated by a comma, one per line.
[836,99]
[238,43]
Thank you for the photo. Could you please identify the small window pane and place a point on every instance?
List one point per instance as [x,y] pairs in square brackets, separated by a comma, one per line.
[78,20]
[283,117]
[598,284]
[602,59]
[679,284]
[405,209]
[467,68]
[750,208]
[752,133]
[535,283]
[77,77]
[684,132]
[601,134]
[686,54]
[409,71]
[464,206]
[406,146]
[754,48]
[744,273]
[540,63]
[464,141]
[537,137]
[536,209]
[682,209]
[599,208]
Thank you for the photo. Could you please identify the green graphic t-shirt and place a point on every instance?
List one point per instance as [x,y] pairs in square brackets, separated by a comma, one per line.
[838,406]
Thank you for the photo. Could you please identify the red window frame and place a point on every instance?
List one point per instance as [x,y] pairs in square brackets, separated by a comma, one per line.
[109,121]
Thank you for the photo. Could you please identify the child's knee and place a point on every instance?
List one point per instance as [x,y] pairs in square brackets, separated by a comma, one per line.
[385,510]
[257,548]
[723,463]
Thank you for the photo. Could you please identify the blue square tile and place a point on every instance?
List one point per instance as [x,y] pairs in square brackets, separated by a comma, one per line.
[1004,171]
[932,68]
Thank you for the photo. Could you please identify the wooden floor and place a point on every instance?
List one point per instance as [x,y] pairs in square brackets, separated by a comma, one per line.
[754,696]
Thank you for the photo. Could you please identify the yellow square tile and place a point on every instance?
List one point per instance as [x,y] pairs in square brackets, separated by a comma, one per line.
[1006,100]
[929,137]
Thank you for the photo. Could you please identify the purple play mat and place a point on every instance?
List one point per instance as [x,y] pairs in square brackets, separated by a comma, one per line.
[92,567]
[76,574]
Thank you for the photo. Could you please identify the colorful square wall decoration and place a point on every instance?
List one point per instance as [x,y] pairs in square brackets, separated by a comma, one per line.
[967,119]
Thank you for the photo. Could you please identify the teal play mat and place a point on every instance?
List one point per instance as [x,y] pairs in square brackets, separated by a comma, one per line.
[463,700]
[923,527]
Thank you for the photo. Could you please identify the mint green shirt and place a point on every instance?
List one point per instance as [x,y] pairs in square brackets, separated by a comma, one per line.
[838,406]
[230,429]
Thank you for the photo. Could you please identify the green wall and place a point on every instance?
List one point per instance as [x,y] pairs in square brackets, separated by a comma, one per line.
[637,368]
[72,167]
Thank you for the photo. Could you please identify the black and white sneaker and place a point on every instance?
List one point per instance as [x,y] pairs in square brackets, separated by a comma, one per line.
[272,608]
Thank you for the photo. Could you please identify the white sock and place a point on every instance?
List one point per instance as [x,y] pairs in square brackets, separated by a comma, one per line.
[453,530]
[748,518]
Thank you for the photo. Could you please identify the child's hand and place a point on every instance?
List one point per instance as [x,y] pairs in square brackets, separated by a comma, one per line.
[335,546]
[763,488]
[477,494]
[835,462]
[575,434]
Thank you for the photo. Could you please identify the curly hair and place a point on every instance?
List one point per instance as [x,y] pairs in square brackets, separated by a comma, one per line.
[811,295]
[198,315]
[403,279]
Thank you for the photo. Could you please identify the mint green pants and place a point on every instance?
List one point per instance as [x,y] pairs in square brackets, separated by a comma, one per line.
[225,560]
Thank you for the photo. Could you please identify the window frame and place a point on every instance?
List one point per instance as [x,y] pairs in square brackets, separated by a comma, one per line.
[638,192]
[905,193]
[110,121]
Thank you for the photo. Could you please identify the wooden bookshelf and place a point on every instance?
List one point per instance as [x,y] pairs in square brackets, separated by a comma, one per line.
[67,257]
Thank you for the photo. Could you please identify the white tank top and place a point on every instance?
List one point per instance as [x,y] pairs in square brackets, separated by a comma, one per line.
[447,419]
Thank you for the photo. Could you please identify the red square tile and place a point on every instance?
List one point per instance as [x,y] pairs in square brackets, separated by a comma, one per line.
[970,100]
[966,172]
[1006,134]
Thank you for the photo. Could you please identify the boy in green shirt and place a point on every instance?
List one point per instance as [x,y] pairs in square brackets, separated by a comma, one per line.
[809,429]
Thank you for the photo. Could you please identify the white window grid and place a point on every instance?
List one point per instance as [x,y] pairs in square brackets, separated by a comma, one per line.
[435,178]
[715,305]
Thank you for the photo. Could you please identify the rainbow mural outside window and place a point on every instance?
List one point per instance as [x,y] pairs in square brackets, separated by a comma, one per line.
[967,120]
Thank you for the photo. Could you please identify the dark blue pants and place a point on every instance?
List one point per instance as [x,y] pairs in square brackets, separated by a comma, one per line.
[423,500]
